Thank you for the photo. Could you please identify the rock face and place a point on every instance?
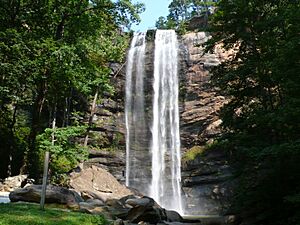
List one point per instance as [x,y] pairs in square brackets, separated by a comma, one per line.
[112,161]
[54,194]
[200,101]
[206,180]
[107,136]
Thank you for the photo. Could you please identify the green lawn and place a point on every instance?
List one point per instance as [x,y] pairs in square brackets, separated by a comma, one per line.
[30,214]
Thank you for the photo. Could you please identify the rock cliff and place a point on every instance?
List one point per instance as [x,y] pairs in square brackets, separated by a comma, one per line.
[107,136]
[206,180]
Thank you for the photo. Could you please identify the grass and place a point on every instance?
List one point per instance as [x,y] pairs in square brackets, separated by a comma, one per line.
[30,214]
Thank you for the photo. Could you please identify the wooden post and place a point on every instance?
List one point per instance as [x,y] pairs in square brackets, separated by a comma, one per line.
[44,186]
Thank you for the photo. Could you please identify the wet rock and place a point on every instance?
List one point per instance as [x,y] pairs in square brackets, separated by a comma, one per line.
[232,220]
[173,216]
[208,183]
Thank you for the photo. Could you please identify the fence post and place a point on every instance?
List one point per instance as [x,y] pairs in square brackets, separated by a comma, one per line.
[44,186]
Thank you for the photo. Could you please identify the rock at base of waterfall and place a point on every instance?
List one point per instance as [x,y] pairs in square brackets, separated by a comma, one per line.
[140,202]
[54,194]
[173,216]
[95,182]
[133,209]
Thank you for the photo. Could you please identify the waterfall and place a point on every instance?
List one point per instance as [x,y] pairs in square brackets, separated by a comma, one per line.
[165,126]
[134,106]
[153,129]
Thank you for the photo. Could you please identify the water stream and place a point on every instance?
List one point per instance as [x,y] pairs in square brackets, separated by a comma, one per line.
[165,146]
[134,107]
[156,140]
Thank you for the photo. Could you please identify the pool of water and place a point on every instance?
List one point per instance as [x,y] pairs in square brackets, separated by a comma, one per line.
[4,197]
[206,219]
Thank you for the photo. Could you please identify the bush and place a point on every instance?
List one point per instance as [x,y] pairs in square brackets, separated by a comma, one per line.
[65,153]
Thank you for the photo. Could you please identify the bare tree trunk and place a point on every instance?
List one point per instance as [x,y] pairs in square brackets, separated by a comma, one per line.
[53,125]
[64,122]
[93,109]
[67,109]
[12,145]
[31,158]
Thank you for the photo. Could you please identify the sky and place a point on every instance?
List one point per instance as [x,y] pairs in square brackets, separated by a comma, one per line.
[154,9]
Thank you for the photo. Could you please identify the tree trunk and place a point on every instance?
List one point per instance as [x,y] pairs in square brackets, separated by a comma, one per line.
[93,109]
[53,125]
[12,145]
[32,157]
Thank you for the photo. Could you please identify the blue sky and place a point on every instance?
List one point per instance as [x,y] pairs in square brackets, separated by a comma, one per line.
[154,9]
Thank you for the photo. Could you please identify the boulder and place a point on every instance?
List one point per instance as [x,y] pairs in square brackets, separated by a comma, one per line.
[146,202]
[54,194]
[173,216]
[95,182]
[144,209]
[12,183]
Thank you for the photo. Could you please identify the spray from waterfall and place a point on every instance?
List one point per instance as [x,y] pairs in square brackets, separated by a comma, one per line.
[153,134]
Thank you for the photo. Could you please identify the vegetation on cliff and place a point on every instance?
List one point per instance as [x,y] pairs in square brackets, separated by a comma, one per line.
[262,120]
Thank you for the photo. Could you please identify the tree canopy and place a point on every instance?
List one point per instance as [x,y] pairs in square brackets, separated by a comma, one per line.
[52,52]
[262,119]
[180,11]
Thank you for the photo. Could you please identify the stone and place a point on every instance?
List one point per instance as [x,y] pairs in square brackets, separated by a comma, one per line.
[200,102]
[173,216]
[112,161]
[140,202]
[95,202]
[96,210]
[95,182]
[118,222]
[145,209]
[232,219]
[207,179]
[54,194]
[12,183]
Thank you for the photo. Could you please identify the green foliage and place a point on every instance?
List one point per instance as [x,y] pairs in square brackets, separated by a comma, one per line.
[25,214]
[53,56]
[193,152]
[182,11]
[65,152]
[262,118]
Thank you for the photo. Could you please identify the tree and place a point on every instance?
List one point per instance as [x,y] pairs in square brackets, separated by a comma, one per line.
[51,53]
[262,118]
[180,11]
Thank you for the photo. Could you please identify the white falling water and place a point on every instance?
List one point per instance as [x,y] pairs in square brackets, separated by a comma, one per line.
[134,106]
[153,151]
[165,148]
